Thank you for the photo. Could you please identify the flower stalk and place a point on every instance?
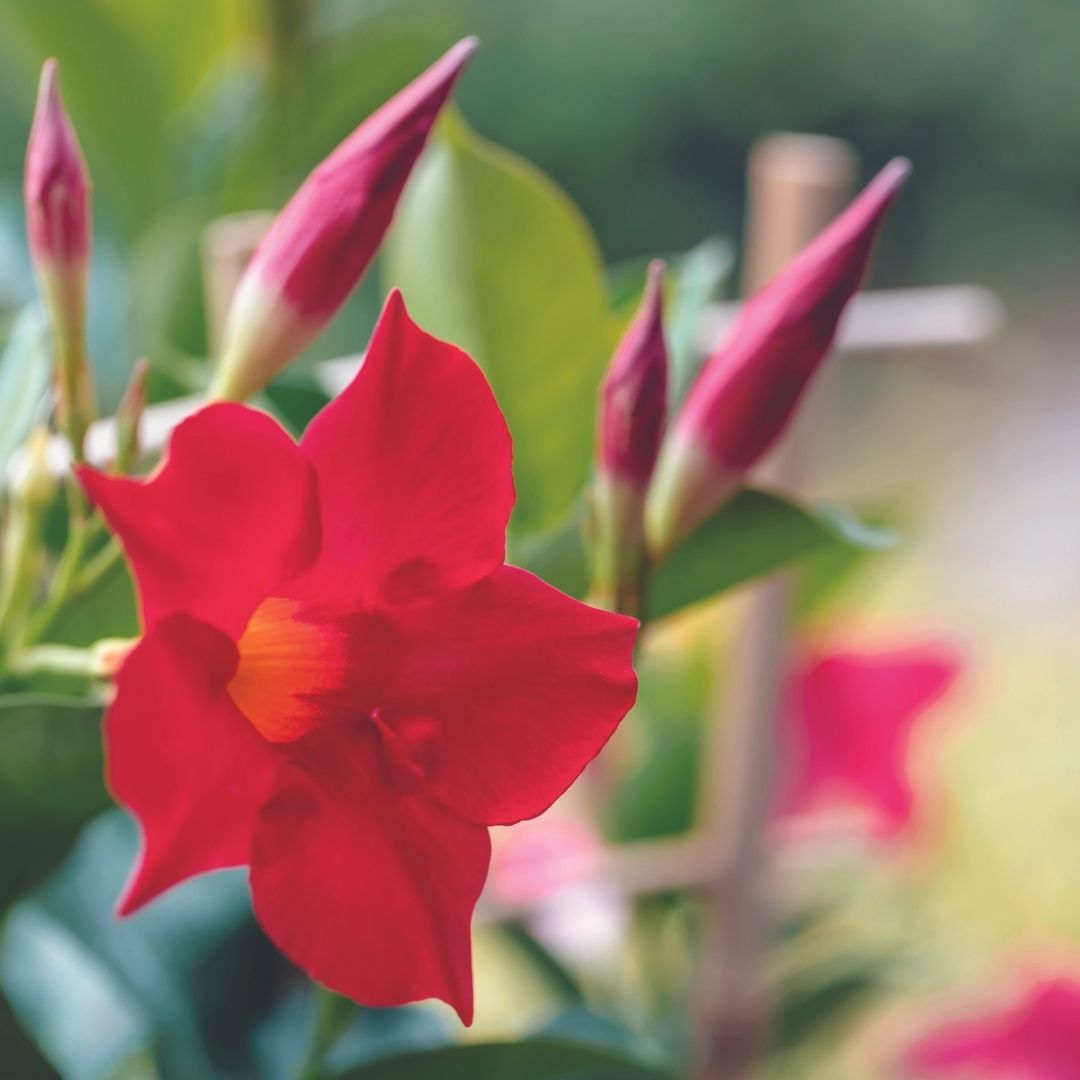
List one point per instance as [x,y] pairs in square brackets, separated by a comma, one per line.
[31,491]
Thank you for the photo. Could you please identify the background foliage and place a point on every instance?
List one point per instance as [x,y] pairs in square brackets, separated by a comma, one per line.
[642,114]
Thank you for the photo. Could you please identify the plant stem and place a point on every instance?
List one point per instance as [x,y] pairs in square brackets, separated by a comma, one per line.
[329,1013]
[54,660]
[74,576]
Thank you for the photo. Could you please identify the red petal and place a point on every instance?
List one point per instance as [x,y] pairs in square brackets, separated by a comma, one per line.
[365,882]
[413,461]
[228,514]
[503,693]
[182,758]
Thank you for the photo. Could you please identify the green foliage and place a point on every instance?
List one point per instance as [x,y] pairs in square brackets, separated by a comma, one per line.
[105,610]
[530,1060]
[25,368]
[752,535]
[96,992]
[492,256]
[659,794]
[50,758]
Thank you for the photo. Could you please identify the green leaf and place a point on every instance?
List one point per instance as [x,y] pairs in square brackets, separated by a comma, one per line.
[188,976]
[492,256]
[24,379]
[752,535]
[530,1060]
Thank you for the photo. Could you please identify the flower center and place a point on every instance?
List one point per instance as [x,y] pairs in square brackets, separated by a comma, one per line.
[289,665]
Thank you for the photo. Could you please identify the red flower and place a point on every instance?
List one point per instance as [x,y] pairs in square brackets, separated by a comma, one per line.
[1036,1038]
[321,243]
[341,684]
[848,727]
[749,388]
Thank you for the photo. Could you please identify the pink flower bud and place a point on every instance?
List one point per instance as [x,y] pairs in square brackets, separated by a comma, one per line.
[748,390]
[57,184]
[323,240]
[633,407]
[633,399]
[57,195]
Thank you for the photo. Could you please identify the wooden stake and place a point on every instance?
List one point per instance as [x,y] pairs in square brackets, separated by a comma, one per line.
[797,184]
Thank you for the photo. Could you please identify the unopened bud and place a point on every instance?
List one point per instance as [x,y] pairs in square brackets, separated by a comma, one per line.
[633,407]
[748,390]
[57,197]
[324,239]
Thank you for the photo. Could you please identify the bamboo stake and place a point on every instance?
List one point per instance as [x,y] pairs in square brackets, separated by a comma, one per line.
[797,184]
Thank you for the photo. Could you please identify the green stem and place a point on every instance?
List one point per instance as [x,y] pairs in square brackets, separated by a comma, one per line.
[330,1012]
[97,566]
[53,660]
[18,578]
[72,577]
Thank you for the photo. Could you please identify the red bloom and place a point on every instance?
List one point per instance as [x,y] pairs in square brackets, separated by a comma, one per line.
[1036,1038]
[321,243]
[341,684]
[848,727]
[749,388]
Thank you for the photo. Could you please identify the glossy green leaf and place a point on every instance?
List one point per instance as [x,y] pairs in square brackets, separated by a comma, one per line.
[95,991]
[530,1060]
[492,256]
[24,379]
[752,535]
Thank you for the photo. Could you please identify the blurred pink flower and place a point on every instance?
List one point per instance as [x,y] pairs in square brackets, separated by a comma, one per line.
[541,857]
[1035,1038]
[553,867]
[848,726]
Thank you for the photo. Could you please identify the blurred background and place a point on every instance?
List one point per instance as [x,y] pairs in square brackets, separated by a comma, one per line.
[644,114]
